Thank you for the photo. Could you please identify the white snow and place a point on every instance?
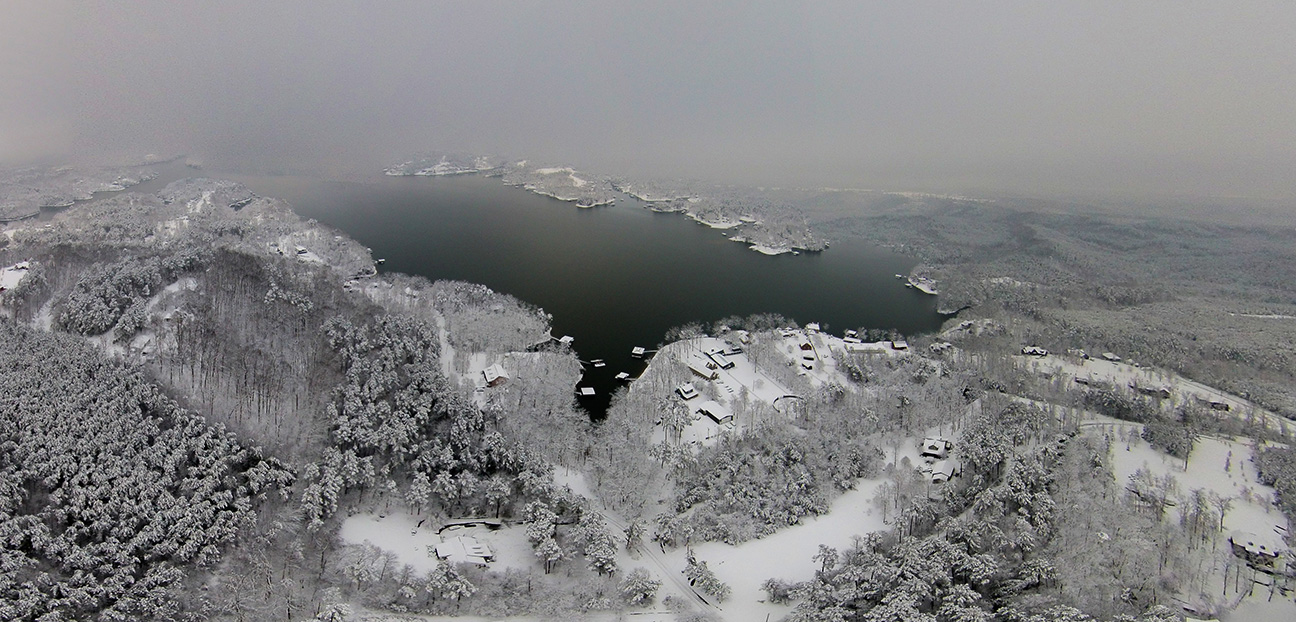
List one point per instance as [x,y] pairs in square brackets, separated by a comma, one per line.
[11,276]
[400,535]
[1207,470]
[1121,375]
[770,250]
[785,555]
[554,170]
[1265,316]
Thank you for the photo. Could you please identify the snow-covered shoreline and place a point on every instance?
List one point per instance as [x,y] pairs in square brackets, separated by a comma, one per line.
[26,192]
[743,217]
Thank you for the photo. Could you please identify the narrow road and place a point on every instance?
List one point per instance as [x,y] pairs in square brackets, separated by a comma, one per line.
[675,577]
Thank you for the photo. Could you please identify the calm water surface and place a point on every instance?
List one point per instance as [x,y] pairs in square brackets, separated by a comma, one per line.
[613,277]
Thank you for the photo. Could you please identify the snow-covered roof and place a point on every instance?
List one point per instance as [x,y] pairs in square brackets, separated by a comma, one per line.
[938,447]
[701,367]
[719,359]
[687,391]
[495,373]
[462,549]
[714,411]
[1257,544]
[943,470]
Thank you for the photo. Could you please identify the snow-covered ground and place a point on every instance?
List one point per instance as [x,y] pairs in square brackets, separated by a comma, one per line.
[1123,375]
[1217,465]
[1224,467]
[785,555]
[400,534]
[11,276]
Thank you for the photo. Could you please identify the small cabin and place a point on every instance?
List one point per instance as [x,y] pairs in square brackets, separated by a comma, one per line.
[1034,351]
[806,347]
[899,344]
[1162,392]
[812,327]
[495,375]
[935,448]
[686,391]
[944,470]
[1108,356]
[715,412]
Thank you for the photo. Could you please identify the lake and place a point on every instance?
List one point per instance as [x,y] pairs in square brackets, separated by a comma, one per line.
[613,277]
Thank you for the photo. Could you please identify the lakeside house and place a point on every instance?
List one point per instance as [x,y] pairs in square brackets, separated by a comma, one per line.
[714,411]
[720,360]
[702,370]
[495,375]
[899,344]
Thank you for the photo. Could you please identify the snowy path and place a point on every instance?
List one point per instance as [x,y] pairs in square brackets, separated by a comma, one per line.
[661,566]
[447,351]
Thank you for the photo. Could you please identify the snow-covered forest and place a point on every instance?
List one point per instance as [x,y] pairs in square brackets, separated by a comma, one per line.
[215,410]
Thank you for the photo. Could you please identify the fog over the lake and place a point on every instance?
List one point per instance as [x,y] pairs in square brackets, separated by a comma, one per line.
[1070,97]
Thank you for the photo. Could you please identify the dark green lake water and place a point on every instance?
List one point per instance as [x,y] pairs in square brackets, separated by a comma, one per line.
[613,277]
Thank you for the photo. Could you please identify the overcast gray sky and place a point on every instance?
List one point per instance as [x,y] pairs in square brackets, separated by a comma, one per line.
[1037,97]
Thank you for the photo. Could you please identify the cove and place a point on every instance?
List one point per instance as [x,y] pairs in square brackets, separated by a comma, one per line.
[613,277]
